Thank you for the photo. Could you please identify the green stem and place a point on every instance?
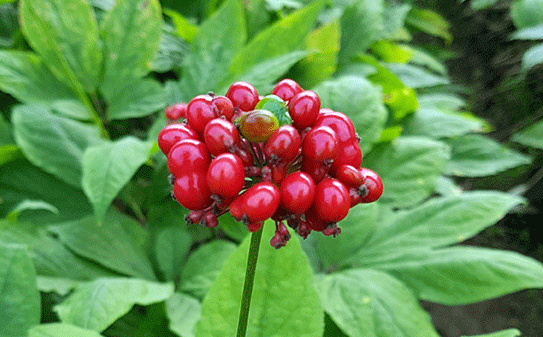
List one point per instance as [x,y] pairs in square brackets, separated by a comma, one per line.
[249,281]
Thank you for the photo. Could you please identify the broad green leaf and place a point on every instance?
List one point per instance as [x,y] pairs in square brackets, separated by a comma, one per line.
[25,76]
[139,98]
[284,298]
[182,26]
[435,123]
[203,266]
[361,24]
[504,333]
[475,155]
[321,65]
[394,16]
[170,54]
[60,330]
[131,33]
[5,132]
[481,4]
[429,22]
[391,52]
[65,34]
[416,77]
[171,247]
[210,56]
[361,223]
[360,100]
[444,101]
[531,136]
[532,57]
[9,23]
[183,312]
[19,296]
[444,221]
[462,275]
[117,243]
[50,256]
[59,285]
[96,305]
[370,303]
[53,143]
[529,33]
[232,228]
[527,13]
[30,205]
[283,37]
[409,167]
[108,167]
[9,153]
[423,58]
[447,187]
[19,181]
[381,76]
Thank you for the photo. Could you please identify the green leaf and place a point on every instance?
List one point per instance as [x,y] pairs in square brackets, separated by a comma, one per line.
[183,312]
[170,54]
[442,101]
[447,187]
[9,23]
[425,59]
[482,4]
[527,13]
[409,167]
[60,330]
[435,123]
[277,106]
[361,222]
[283,37]
[19,181]
[131,33]
[529,33]
[370,303]
[394,15]
[203,266]
[391,52]
[284,298]
[30,205]
[322,64]
[532,57]
[53,143]
[531,136]
[138,98]
[65,34]
[26,77]
[475,155]
[361,24]
[60,285]
[357,98]
[9,153]
[182,26]
[108,167]
[117,244]
[96,305]
[504,333]
[429,22]
[208,61]
[19,295]
[5,132]
[51,257]
[416,77]
[443,221]
[462,275]
[172,245]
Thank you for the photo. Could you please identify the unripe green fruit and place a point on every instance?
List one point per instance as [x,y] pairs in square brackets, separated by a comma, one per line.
[258,125]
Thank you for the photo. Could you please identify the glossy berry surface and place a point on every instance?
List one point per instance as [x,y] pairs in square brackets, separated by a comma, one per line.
[176,111]
[191,191]
[220,136]
[187,156]
[200,112]
[243,95]
[286,89]
[339,122]
[332,201]
[304,109]
[222,106]
[258,203]
[258,125]
[297,192]
[284,143]
[373,183]
[320,144]
[226,175]
[173,133]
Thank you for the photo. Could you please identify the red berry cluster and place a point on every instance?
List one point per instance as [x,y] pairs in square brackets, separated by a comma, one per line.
[280,156]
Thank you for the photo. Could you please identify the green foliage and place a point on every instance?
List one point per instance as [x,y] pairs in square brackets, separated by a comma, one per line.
[86,83]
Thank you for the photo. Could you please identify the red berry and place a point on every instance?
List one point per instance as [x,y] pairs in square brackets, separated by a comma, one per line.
[350,176]
[222,106]
[226,175]
[349,153]
[332,201]
[278,172]
[340,123]
[220,136]
[191,191]
[304,109]
[188,156]
[243,95]
[176,111]
[320,144]
[173,133]
[297,192]
[200,112]
[316,169]
[284,144]
[373,183]
[286,89]
[257,204]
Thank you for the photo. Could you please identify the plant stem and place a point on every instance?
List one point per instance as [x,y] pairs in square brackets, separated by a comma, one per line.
[249,281]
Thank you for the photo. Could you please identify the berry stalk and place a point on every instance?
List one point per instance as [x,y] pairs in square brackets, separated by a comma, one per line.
[249,281]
